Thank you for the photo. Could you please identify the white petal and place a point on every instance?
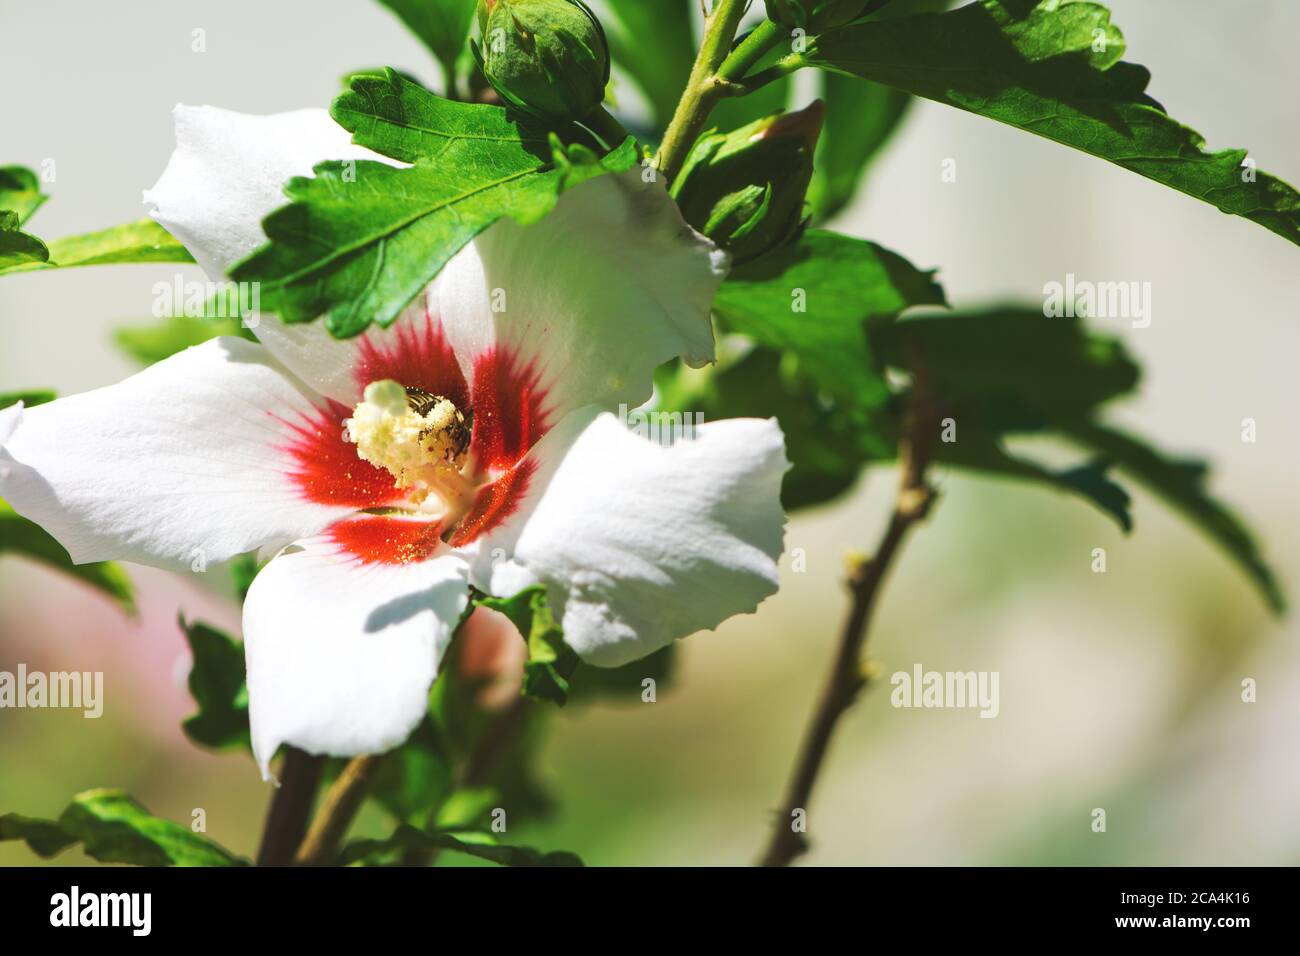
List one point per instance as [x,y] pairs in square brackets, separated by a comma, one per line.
[609,285]
[10,416]
[409,350]
[341,654]
[181,463]
[639,544]
[228,172]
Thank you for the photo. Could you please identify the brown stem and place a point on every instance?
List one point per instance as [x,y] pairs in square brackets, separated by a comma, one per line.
[337,808]
[846,678]
[286,819]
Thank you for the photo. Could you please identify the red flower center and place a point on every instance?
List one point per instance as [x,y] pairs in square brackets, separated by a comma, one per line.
[508,412]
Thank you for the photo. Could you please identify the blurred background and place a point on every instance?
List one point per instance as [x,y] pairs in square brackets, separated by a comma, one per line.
[1119,690]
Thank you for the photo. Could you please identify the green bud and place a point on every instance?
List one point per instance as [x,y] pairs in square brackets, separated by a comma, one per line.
[546,56]
[815,15]
[745,189]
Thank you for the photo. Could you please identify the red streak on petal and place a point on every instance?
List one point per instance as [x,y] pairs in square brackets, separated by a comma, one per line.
[380,539]
[327,469]
[510,412]
[495,502]
[417,356]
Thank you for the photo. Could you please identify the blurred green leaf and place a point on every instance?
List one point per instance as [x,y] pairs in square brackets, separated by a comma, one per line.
[471,843]
[162,339]
[20,196]
[1180,483]
[1013,371]
[113,828]
[243,568]
[20,191]
[45,837]
[551,662]
[442,25]
[140,241]
[985,452]
[994,373]
[18,249]
[1009,368]
[814,298]
[361,239]
[30,398]
[416,778]
[653,43]
[626,682]
[861,117]
[216,683]
[1054,69]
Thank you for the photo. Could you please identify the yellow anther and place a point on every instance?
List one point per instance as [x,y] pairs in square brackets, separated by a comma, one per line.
[417,438]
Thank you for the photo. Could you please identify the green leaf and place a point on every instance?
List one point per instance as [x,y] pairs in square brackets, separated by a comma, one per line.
[216,683]
[361,240]
[1053,68]
[551,662]
[840,284]
[20,191]
[18,249]
[468,809]
[1010,368]
[415,778]
[490,746]
[984,451]
[623,683]
[861,117]
[113,828]
[30,398]
[45,837]
[26,538]
[140,241]
[471,843]
[159,340]
[1014,370]
[442,25]
[243,568]
[653,43]
[1180,483]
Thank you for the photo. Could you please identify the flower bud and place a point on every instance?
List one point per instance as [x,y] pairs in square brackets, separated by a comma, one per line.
[814,15]
[745,189]
[545,56]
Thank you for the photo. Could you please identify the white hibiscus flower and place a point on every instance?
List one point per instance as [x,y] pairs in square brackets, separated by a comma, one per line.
[461,446]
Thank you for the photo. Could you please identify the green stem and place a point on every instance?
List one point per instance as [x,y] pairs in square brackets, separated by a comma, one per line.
[782,67]
[750,50]
[703,89]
